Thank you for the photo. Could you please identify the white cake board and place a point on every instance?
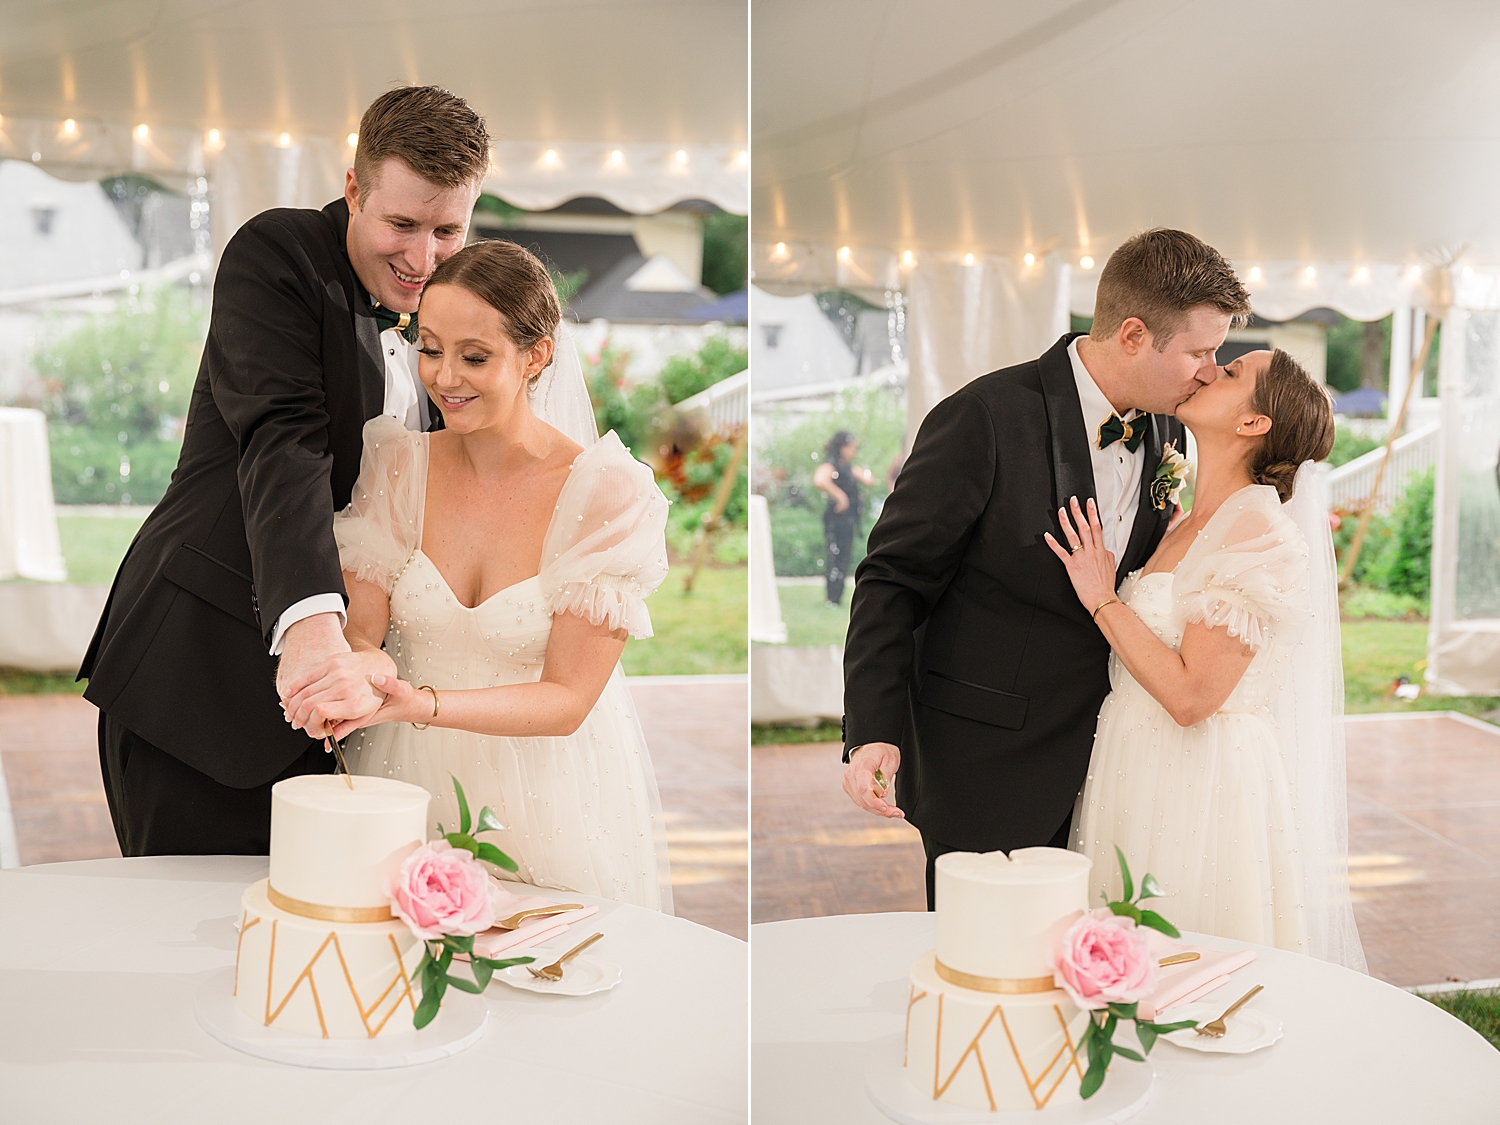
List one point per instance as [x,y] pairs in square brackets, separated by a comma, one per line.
[459,1025]
[1125,1092]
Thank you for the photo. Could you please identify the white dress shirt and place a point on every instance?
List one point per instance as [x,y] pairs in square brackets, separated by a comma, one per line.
[1117,471]
[403,402]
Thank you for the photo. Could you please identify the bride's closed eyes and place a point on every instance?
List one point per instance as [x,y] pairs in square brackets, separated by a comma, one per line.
[474,359]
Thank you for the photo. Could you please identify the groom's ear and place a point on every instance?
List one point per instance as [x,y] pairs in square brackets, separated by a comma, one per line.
[1133,336]
[351,191]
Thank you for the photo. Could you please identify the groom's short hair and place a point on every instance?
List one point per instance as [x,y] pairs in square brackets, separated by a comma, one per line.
[1159,276]
[433,132]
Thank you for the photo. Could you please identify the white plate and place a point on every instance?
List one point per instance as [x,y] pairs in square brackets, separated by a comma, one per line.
[1247,1030]
[582,976]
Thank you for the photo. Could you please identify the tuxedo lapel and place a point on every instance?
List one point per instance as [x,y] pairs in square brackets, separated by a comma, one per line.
[1147,515]
[1072,469]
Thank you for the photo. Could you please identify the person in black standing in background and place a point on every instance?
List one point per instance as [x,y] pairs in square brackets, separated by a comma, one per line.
[840,479]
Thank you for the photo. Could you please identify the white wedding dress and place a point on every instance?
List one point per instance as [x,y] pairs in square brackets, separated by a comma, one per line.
[1209,809]
[581,812]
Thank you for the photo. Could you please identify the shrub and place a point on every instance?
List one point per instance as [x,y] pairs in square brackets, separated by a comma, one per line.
[717,359]
[1348,445]
[115,391]
[1409,567]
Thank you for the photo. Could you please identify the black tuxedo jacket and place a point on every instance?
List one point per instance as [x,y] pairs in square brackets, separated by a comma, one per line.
[967,646]
[291,372]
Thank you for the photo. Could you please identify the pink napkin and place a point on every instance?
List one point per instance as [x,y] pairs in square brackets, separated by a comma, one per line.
[533,931]
[1184,983]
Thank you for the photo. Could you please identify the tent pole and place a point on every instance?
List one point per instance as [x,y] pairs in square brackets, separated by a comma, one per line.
[1418,366]
[721,499]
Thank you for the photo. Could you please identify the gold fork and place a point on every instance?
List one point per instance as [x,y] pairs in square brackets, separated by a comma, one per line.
[1216,1029]
[554,971]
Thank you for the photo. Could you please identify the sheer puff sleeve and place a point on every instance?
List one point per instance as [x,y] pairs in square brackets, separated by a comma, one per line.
[606,548]
[1247,571]
[382,526]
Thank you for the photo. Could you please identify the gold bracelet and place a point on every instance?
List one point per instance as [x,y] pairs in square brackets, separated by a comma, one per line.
[1095,614]
[429,722]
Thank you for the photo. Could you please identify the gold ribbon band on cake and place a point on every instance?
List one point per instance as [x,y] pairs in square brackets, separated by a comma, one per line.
[328,913]
[1012,985]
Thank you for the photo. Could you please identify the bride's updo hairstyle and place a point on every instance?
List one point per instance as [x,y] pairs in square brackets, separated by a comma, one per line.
[511,280]
[1301,416]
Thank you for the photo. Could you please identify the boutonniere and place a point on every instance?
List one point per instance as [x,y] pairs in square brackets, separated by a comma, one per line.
[1171,477]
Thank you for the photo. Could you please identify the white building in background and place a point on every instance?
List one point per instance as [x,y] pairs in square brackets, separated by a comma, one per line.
[793,343]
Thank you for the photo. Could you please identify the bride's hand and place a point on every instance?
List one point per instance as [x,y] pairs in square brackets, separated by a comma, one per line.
[403,704]
[1090,567]
[339,689]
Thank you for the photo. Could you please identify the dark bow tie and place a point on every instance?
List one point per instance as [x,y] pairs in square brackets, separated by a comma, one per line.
[1132,433]
[405,323]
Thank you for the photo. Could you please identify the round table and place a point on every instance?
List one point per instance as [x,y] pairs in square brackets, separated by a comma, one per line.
[100,962]
[829,995]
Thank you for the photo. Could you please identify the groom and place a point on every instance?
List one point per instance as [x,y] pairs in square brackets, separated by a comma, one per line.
[237,566]
[970,665]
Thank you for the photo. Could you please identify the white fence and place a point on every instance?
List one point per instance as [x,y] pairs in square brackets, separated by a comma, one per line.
[726,404]
[1349,485]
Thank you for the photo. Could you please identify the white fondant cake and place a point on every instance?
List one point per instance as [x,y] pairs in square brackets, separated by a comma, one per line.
[319,952]
[985,1029]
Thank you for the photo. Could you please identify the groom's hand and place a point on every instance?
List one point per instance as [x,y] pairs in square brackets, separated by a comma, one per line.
[341,689]
[864,789]
[306,647]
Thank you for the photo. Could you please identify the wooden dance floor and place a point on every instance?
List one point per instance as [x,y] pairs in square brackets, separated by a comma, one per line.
[696,729]
[1424,843]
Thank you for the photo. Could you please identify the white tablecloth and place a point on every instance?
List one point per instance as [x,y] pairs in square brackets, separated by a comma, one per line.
[29,545]
[100,961]
[1356,1051]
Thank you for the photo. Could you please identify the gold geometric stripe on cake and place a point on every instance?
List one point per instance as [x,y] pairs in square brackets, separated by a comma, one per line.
[911,998]
[244,925]
[940,1087]
[307,974]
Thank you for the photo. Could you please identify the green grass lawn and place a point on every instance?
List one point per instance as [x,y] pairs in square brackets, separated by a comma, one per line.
[94,545]
[696,634]
[810,621]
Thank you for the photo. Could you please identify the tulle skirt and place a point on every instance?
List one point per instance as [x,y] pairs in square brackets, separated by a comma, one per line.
[581,812]
[1206,809]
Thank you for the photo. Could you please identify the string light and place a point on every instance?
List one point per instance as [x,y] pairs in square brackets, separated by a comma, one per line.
[143,132]
[1086,262]
[907,257]
[1254,273]
[1310,273]
[681,157]
[844,253]
[968,259]
[779,253]
[215,138]
[353,139]
[1362,274]
[1414,273]
[70,127]
[285,140]
[550,159]
[741,158]
[616,158]
[1029,259]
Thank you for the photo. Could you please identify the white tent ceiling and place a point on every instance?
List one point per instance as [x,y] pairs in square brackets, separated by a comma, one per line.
[644,102]
[1286,133]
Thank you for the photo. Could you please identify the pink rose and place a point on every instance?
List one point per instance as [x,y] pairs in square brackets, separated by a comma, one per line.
[1104,959]
[442,890]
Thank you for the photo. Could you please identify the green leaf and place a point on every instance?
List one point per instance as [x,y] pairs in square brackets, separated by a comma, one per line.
[463,985]
[459,943]
[488,821]
[427,1009]
[1092,1081]
[1147,1034]
[1124,872]
[1124,1011]
[442,832]
[1150,888]
[505,964]
[1168,1028]
[1126,909]
[463,807]
[491,854]
[1129,1054]
[464,841]
[482,973]
[1109,1027]
[1157,922]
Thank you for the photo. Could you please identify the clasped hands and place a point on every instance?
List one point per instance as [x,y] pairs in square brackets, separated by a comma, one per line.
[328,690]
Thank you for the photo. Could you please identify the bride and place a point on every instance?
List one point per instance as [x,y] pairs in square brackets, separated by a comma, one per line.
[502,562]
[1218,760]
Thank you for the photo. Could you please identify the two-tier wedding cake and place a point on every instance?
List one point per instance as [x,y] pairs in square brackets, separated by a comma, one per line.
[985,1027]
[320,953]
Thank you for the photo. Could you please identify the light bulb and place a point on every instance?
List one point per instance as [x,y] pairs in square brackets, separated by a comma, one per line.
[968,259]
[1029,259]
[844,253]
[353,139]
[143,132]
[681,156]
[1255,273]
[907,257]
[70,127]
[1310,273]
[616,158]
[1362,274]
[550,158]
[1086,262]
[285,140]
[215,138]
